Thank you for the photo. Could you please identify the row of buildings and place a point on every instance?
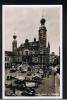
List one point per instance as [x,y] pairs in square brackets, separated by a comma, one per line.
[32,53]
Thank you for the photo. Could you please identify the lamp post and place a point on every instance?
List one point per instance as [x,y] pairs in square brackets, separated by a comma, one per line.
[26,61]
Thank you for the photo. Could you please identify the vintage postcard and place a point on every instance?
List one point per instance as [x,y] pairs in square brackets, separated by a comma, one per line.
[32,51]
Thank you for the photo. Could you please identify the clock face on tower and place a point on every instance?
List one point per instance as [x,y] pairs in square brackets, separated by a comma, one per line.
[41,31]
[14,48]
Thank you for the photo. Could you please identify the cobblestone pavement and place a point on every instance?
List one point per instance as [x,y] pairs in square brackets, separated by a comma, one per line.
[57,85]
[47,87]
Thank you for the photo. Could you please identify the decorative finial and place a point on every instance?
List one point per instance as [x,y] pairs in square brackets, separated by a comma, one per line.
[14,36]
[43,13]
[42,21]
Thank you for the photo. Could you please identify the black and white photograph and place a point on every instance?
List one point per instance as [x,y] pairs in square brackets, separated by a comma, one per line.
[32,51]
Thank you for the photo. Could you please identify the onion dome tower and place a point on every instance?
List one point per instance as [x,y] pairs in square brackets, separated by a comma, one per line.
[42,33]
[42,43]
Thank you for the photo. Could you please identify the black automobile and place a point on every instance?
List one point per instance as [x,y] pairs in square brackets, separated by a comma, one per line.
[36,78]
[49,72]
[19,82]
[29,74]
[28,92]
[32,90]
[24,93]
[8,85]
[9,77]
[13,70]
[20,87]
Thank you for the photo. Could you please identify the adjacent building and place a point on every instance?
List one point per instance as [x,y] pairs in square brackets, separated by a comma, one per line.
[8,58]
[54,59]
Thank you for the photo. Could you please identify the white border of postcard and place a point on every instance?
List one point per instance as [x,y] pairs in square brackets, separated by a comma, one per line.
[3,55]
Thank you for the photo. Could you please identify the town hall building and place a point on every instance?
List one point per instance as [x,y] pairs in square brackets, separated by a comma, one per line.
[32,53]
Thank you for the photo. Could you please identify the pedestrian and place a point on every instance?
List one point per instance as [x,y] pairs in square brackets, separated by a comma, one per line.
[14,90]
[45,74]
[48,74]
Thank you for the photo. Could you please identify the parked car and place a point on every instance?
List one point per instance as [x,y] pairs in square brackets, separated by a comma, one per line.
[9,77]
[24,70]
[31,84]
[28,93]
[32,90]
[29,73]
[8,92]
[37,76]
[19,82]
[20,87]
[8,85]
[13,70]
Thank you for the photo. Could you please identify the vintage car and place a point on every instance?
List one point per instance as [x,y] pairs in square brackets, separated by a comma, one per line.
[36,76]
[9,77]
[13,69]
[28,92]
[31,85]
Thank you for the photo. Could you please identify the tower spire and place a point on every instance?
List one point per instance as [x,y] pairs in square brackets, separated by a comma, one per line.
[42,21]
[48,44]
[42,13]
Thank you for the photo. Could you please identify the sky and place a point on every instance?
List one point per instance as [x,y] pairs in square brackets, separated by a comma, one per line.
[25,22]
